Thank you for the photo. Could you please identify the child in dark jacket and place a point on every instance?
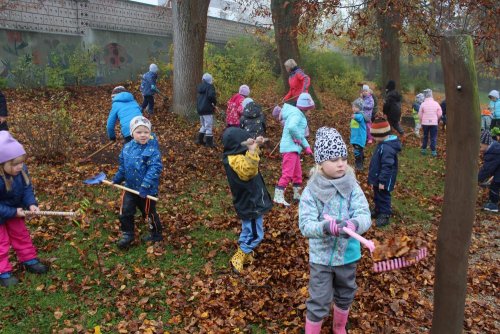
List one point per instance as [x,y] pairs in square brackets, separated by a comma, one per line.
[358,133]
[253,120]
[250,197]
[148,88]
[491,168]
[16,195]
[383,170]
[3,113]
[140,168]
[205,105]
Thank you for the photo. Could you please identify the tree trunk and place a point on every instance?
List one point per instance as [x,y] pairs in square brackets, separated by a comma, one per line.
[390,47]
[190,29]
[455,228]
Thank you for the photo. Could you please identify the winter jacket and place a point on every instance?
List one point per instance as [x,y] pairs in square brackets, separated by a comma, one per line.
[392,106]
[494,106]
[384,163]
[358,130]
[148,83]
[20,196]
[206,99]
[486,119]
[368,107]
[491,163]
[234,110]
[3,106]
[253,120]
[414,111]
[295,127]
[299,83]
[123,108]
[250,196]
[342,202]
[430,112]
[140,166]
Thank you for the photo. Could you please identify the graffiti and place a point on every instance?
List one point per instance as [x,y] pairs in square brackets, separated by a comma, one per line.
[115,55]
[15,41]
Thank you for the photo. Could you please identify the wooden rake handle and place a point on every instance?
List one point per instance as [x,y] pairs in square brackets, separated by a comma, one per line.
[128,189]
[99,150]
[50,213]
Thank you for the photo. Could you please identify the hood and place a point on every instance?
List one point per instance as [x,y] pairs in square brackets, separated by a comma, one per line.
[203,87]
[252,110]
[123,97]
[288,110]
[394,95]
[393,141]
[232,139]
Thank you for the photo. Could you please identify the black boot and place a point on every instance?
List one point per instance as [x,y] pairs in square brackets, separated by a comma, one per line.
[382,220]
[125,241]
[154,232]
[358,162]
[36,267]
[199,140]
[373,213]
[209,141]
[9,281]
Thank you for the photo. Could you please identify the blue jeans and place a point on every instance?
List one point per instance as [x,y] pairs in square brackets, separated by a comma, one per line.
[433,131]
[252,233]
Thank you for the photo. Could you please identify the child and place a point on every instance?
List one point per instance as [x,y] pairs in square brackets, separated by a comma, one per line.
[205,105]
[415,108]
[124,108]
[253,120]
[16,194]
[3,113]
[148,88]
[491,167]
[494,107]
[235,107]
[486,119]
[250,197]
[429,114]
[383,170]
[333,255]
[292,143]
[140,168]
[367,109]
[358,133]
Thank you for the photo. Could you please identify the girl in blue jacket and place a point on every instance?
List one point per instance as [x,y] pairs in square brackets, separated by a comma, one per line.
[140,168]
[124,108]
[358,133]
[332,190]
[16,195]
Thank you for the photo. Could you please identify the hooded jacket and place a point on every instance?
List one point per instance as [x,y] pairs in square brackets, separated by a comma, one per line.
[368,104]
[392,103]
[429,112]
[340,198]
[206,99]
[253,120]
[358,129]
[21,195]
[250,196]
[299,83]
[491,163]
[384,163]
[295,127]
[123,108]
[148,83]
[234,110]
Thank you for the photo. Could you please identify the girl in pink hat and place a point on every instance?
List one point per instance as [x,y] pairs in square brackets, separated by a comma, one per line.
[16,195]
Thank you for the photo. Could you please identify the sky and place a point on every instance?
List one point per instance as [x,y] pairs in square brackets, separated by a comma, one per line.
[151,2]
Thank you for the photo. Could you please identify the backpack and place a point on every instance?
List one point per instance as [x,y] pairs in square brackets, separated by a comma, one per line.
[253,120]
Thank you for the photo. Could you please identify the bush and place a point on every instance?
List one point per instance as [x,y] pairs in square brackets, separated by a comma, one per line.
[3,83]
[82,66]
[27,74]
[55,71]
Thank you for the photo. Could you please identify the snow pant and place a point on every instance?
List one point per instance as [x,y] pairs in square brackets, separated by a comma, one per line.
[207,123]
[359,155]
[291,170]
[430,130]
[14,233]
[327,284]
[130,202]
[494,192]
[382,200]
[149,101]
[252,233]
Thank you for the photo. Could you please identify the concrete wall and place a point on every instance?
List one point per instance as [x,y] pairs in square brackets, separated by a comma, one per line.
[128,34]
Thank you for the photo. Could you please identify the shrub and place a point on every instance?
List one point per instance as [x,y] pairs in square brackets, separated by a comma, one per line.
[55,71]
[27,74]
[3,83]
[82,66]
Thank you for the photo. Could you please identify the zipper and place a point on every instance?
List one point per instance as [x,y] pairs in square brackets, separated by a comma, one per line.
[336,238]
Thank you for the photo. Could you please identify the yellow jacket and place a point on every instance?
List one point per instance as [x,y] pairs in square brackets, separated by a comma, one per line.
[246,166]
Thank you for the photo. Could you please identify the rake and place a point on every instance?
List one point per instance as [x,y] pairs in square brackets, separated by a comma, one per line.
[51,213]
[386,265]
[101,178]
[111,143]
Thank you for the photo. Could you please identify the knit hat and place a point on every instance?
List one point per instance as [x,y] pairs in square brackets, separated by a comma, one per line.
[427,93]
[138,121]
[246,101]
[486,137]
[328,145]
[380,128]
[420,98]
[244,90]
[366,88]
[207,77]
[117,90]
[11,148]
[305,102]
[358,103]
[153,68]
[276,112]
[494,93]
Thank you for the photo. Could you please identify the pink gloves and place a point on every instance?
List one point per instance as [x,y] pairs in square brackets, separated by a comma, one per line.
[335,227]
[308,151]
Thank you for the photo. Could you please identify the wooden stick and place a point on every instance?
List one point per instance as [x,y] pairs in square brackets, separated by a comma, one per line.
[50,213]
[274,149]
[292,98]
[99,150]
[128,189]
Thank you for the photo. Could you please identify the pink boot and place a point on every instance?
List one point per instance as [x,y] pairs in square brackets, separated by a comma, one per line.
[313,327]
[339,320]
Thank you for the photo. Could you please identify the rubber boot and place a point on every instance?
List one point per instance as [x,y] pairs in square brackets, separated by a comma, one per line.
[6,279]
[209,141]
[155,229]
[296,193]
[126,240]
[35,266]
[199,140]
[279,196]
[382,220]
[313,327]
[238,260]
[434,153]
[339,320]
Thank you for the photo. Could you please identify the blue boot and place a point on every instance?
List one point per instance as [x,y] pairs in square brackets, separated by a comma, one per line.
[126,240]
[35,266]
[6,279]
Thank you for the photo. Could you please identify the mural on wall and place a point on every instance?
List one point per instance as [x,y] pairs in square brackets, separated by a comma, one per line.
[115,55]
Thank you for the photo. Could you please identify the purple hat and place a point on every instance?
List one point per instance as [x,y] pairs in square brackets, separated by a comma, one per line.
[277,112]
[9,147]
[244,90]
